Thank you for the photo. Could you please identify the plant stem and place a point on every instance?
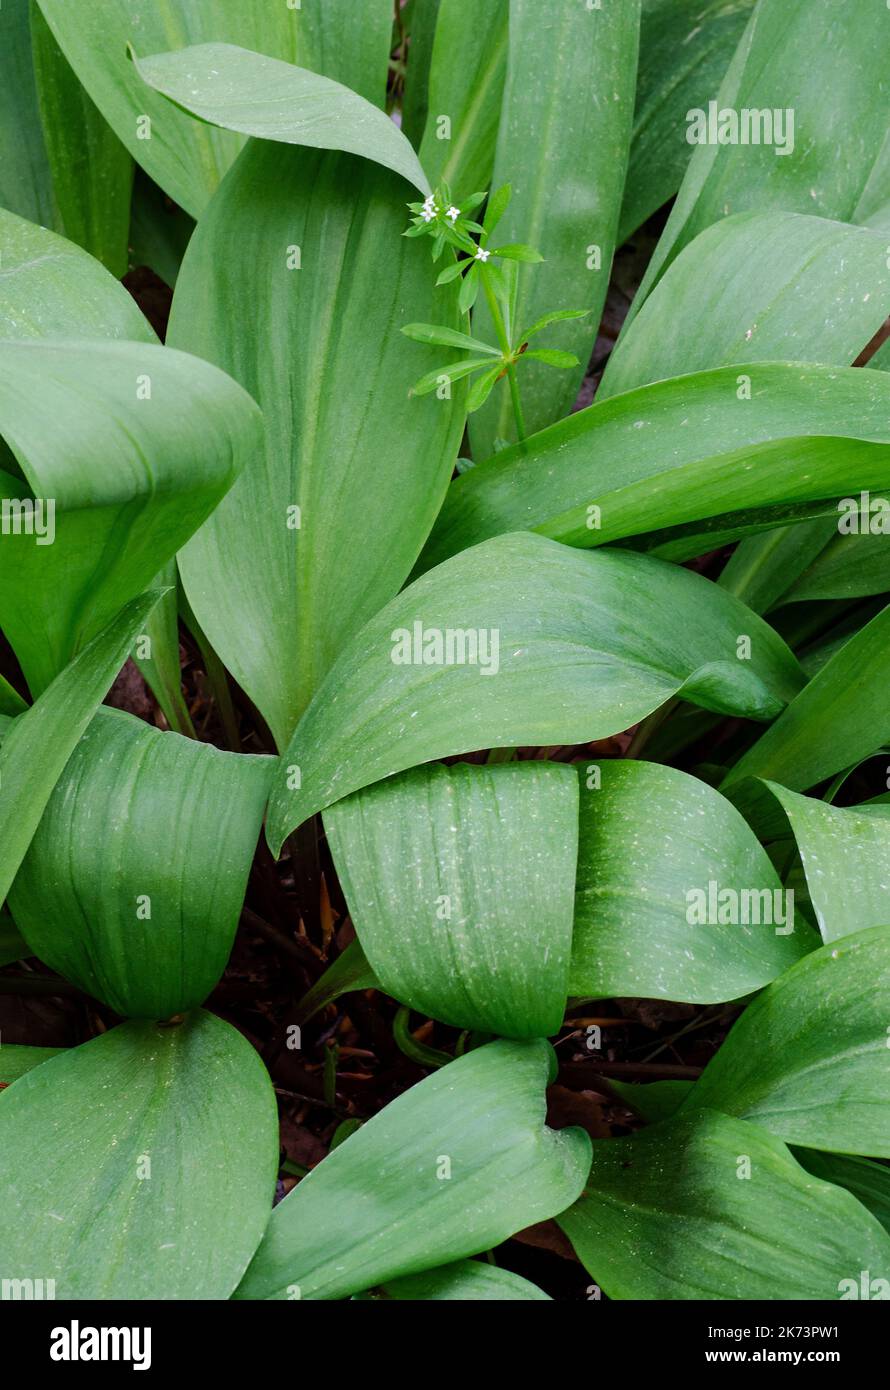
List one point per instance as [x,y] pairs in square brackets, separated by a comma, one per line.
[500,329]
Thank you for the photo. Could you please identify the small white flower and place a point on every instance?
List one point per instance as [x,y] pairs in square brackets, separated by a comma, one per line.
[453,214]
[428,214]
[482,254]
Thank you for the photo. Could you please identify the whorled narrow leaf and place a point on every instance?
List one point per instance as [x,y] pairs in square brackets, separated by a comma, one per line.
[186,158]
[51,288]
[688,464]
[237,90]
[563,147]
[26,184]
[708,1207]
[37,745]
[808,1059]
[675,898]
[125,448]
[466,1281]
[15,1060]
[134,881]
[460,1162]
[459,884]
[297,282]
[838,719]
[685,49]
[758,287]
[92,172]
[466,88]
[799,88]
[840,846]
[140,1165]
[868,1182]
[516,642]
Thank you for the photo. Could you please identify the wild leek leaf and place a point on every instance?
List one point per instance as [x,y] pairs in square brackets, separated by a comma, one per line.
[464,1281]
[708,1207]
[675,898]
[459,884]
[808,1059]
[105,1153]
[460,1162]
[515,642]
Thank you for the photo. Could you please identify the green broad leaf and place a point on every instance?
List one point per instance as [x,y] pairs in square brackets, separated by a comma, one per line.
[869,1182]
[762,567]
[675,898]
[15,1060]
[459,884]
[422,18]
[808,1059]
[709,1207]
[460,1162]
[348,42]
[38,744]
[92,172]
[838,719]
[186,158]
[26,185]
[446,337]
[806,95]
[13,946]
[277,577]
[849,566]
[50,288]
[134,881]
[466,87]
[237,90]
[563,145]
[687,464]
[685,48]
[654,1101]
[140,1165]
[467,1281]
[840,847]
[515,642]
[11,702]
[127,451]
[758,287]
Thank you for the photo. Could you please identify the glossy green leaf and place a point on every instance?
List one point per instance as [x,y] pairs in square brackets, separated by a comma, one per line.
[280,591]
[422,17]
[50,288]
[845,853]
[234,89]
[348,973]
[675,898]
[140,1165]
[654,1100]
[13,946]
[15,1060]
[838,719]
[755,288]
[536,657]
[792,58]
[563,145]
[134,881]
[92,172]
[869,1182]
[808,1059]
[849,566]
[466,88]
[708,1207]
[186,158]
[127,448]
[689,464]
[459,1162]
[762,567]
[459,884]
[347,42]
[38,744]
[25,181]
[685,48]
[467,1281]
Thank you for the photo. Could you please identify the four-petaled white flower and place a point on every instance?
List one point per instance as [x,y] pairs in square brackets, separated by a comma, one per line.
[428,214]
[430,211]
[453,214]
[482,254]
